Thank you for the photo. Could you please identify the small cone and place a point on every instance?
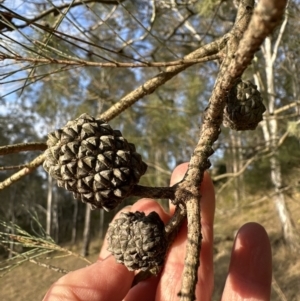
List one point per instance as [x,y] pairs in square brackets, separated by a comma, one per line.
[244,108]
[138,241]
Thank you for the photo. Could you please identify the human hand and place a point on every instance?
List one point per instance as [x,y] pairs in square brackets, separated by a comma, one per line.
[249,275]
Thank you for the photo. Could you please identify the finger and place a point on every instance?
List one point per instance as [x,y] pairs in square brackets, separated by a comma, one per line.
[250,271]
[144,290]
[97,282]
[145,205]
[170,282]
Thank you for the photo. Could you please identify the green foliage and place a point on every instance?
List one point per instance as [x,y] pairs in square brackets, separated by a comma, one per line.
[31,245]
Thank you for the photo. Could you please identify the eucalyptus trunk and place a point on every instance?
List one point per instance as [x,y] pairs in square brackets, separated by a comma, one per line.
[270,131]
[235,167]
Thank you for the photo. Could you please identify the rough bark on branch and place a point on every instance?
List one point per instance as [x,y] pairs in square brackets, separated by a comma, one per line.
[264,20]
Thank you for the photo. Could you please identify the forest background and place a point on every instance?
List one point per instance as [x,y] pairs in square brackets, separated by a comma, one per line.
[60,59]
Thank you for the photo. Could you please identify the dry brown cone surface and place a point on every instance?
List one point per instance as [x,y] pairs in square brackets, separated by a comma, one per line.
[138,241]
[244,108]
[93,161]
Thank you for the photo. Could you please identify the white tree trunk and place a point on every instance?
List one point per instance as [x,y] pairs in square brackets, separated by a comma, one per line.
[270,131]
[237,163]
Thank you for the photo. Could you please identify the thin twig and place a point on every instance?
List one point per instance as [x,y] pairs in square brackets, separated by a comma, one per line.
[185,21]
[12,167]
[153,192]
[259,201]
[38,243]
[22,147]
[49,266]
[158,168]
[152,84]
[55,9]
[287,107]
[103,21]
[23,172]
[83,63]
[31,260]
[147,30]
[264,153]
[278,289]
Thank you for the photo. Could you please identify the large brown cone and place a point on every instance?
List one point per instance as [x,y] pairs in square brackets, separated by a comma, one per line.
[93,161]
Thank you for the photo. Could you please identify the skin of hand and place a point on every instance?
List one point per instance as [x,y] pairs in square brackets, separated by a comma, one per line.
[249,276]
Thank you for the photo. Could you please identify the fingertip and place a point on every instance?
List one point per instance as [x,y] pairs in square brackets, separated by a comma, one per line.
[252,247]
[250,270]
[178,173]
[96,282]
